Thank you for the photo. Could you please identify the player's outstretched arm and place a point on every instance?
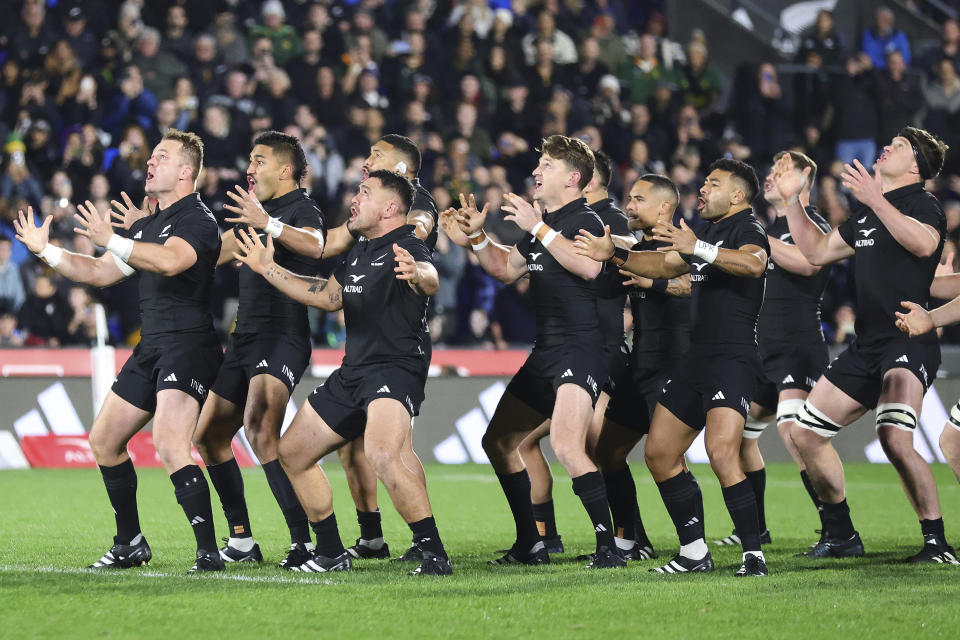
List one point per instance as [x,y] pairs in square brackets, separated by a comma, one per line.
[422,223]
[748,261]
[421,276]
[305,241]
[502,262]
[530,218]
[339,241]
[99,272]
[916,237]
[650,264]
[817,247]
[918,321]
[789,258]
[316,292]
[678,287]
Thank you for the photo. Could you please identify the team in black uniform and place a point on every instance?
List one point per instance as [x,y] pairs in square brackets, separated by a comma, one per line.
[386,280]
[792,346]
[173,366]
[398,154]
[716,381]
[269,349]
[661,328]
[562,377]
[896,237]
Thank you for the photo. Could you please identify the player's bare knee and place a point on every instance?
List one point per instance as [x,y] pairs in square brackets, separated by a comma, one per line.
[104,447]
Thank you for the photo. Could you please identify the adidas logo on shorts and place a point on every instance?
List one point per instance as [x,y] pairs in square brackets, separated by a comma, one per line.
[719,396]
[902,358]
[383,389]
[138,235]
[197,520]
[567,374]
[171,378]
[262,364]
[789,378]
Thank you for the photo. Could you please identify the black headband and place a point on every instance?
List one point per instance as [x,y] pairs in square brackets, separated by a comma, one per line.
[923,167]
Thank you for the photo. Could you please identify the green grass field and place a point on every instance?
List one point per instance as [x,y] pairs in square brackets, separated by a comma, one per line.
[54,522]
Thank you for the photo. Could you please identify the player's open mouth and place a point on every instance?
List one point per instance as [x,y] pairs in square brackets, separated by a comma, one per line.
[767,186]
[251,182]
[149,176]
[353,213]
[364,172]
[701,203]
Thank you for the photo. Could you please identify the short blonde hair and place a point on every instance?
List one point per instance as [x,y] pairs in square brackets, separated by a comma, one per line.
[192,151]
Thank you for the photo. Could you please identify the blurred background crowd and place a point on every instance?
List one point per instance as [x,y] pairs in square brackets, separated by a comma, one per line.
[87,89]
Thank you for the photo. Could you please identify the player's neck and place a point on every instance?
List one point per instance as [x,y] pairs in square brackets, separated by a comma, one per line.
[596,196]
[889,183]
[283,188]
[384,227]
[551,205]
[167,198]
[734,211]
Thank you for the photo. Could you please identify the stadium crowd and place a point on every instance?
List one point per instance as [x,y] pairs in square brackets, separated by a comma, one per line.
[87,89]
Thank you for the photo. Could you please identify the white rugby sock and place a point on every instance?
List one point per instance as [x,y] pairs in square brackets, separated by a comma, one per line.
[242,544]
[696,550]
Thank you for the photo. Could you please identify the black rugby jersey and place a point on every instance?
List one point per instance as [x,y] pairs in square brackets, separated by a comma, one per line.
[611,294]
[180,303]
[423,201]
[724,307]
[885,272]
[263,307]
[565,304]
[661,323]
[385,318]
[791,305]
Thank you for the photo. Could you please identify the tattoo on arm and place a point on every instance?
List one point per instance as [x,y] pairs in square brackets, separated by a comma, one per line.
[335,297]
[679,287]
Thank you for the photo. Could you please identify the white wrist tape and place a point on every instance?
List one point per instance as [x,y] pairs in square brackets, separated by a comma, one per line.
[51,254]
[475,234]
[705,251]
[125,269]
[274,227]
[120,247]
[478,247]
[547,239]
[536,228]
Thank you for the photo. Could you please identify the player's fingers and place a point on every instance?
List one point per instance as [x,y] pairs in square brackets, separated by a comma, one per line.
[463,201]
[128,200]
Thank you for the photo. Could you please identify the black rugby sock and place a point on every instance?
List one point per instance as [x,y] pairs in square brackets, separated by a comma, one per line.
[228,482]
[817,502]
[121,484]
[286,497]
[758,481]
[934,528]
[742,506]
[545,517]
[193,494]
[369,522]
[682,498]
[426,536]
[593,494]
[516,487]
[622,496]
[836,520]
[328,537]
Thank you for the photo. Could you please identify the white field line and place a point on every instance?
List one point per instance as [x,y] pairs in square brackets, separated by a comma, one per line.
[149,573]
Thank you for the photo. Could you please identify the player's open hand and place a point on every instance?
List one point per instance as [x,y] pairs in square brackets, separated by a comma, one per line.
[406,268]
[916,321]
[252,252]
[589,245]
[33,237]
[468,217]
[247,210]
[788,181]
[864,187]
[524,214]
[451,227]
[127,213]
[681,239]
[94,225]
[633,280]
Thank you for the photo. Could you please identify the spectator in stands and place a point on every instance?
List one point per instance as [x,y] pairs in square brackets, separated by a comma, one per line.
[284,38]
[126,171]
[10,336]
[763,114]
[364,27]
[82,328]
[942,101]
[12,293]
[30,39]
[133,102]
[613,51]
[823,40]
[16,182]
[948,47]
[513,322]
[563,50]
[158,67]
[44,315]
[856,122]
[81,39]
[207,67]
[700,82]
[883,38]
[178,39]
[641,75]
[900,97]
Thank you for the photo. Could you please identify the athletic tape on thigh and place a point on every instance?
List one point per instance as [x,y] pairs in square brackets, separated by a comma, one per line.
[809,417]
[896,414]
[753,428]
[955,416]
[788,410]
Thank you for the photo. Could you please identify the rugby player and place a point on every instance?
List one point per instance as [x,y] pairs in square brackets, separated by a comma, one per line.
[896,238]
[715,383]
[379,386]
[167,377]
[400,155]
[561,378]
[269,349]
[792,347]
